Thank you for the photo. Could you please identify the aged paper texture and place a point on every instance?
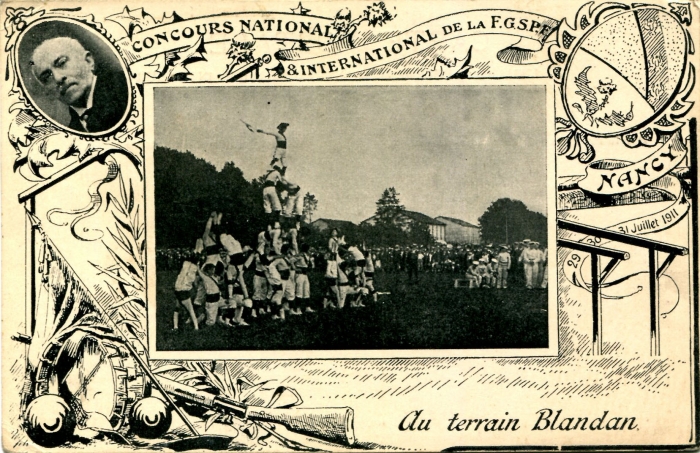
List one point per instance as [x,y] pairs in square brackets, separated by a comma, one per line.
[340,225]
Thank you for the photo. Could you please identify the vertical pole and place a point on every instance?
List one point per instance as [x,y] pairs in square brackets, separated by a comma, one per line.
[655,349]
[694,263]
[30,269]
[597,305]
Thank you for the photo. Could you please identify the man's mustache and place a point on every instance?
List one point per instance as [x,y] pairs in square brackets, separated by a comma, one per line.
[64,87]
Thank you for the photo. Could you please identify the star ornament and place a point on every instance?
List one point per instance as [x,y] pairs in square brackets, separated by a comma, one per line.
[300,10]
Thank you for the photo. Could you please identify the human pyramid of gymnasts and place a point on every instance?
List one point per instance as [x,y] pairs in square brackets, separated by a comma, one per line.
[213,276]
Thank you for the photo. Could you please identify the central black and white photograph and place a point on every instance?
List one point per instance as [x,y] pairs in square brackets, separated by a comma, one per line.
[347,219]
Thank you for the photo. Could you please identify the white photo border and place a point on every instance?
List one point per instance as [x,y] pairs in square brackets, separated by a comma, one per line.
[552,295]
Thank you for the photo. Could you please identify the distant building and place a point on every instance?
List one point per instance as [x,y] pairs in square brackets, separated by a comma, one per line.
[406,218]
[344,226]
[460,232]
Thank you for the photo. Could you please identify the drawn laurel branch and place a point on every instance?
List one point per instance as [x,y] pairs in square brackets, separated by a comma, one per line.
[573,143]
[126,245]
[215,377]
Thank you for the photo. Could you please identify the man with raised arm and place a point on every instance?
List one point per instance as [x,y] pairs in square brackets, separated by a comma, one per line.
[280,152]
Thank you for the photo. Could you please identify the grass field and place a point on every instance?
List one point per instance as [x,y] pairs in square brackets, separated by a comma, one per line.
[431,314]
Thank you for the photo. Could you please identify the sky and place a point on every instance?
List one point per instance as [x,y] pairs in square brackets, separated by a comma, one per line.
[448,150]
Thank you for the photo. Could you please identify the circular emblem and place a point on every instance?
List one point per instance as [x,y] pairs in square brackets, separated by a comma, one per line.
[623,72]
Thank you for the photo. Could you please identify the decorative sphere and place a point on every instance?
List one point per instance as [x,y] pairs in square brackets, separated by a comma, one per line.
[150,418]
[49,421]
[624,71]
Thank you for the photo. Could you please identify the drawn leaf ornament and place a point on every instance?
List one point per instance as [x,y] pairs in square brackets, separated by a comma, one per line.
[16,21]
[176,66]
[21,130]
[377,14]
[166,367]
[215,377]
[572,142]
[250,429]
[682,11]
[137,20]
[127,227]
[210,421]
[248,393]
[228,380]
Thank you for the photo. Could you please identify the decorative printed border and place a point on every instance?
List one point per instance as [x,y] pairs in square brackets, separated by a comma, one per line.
[97,311]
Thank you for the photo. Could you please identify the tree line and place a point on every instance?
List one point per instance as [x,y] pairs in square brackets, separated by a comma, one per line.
[188,189]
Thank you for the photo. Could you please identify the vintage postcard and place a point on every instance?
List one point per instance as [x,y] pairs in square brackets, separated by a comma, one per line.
[340,225]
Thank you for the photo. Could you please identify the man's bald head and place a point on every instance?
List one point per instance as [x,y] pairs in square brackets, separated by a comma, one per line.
[65,69]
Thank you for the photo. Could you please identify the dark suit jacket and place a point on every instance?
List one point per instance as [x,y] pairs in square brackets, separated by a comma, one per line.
[109,102]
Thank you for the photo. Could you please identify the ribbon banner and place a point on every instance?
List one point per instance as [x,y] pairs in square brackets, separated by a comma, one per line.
[612,177]
[663,219]
[653,172]
[635,183]
[341,58]
[186,33]
[335,58]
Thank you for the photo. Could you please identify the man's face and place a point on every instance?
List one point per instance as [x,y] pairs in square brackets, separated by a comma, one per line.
[65,69]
